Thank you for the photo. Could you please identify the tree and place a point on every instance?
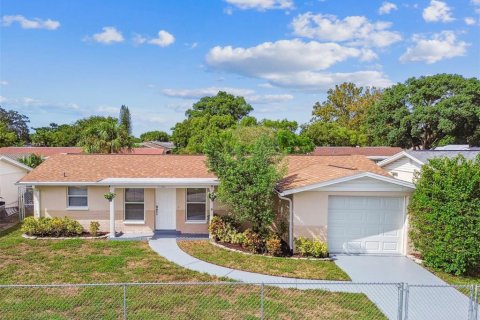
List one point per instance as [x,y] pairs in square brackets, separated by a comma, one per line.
[32,160]
[7,136]
[106,137]
[15,122]
[55,135]
[208,116]
[346,105]
[125,119]
[155,136]
[248,177]
[332,134]
[221,104]
[445,214]
[426,112]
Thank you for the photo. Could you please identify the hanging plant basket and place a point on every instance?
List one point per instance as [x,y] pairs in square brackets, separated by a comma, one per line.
[109,196]
[212,196]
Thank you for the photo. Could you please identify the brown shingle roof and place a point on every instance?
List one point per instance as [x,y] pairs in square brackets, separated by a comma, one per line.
[308,170]
[302,170]
[19,152]
[95,167]
[365,151]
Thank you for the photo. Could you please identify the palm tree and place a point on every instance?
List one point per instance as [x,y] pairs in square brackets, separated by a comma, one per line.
[106,137]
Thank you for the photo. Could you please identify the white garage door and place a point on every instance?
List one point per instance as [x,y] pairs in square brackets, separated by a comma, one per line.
[365,224]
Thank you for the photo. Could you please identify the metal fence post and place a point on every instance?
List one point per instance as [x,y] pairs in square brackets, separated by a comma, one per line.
[124,301]
[405,302]
[471,297]
[262,301]
[400,301]
[475,302]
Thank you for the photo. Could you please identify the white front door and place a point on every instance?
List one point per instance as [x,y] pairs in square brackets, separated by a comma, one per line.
[166,209]
[372,225]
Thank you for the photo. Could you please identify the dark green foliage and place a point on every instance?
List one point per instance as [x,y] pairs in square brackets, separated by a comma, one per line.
[426,112]
[445,215]
[155,136]
[221,104]
[55,135]
[7,137]
[51,227]
[248,177]
[15,122]
[125,119]
[332,134]
[32,160]
[106,137]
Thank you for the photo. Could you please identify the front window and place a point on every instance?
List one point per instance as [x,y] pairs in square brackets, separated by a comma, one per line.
[196,204]
[77,197]
[134,204]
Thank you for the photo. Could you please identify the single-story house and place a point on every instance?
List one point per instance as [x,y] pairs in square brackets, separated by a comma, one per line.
[348,201]
[166,146]
[404,164]
[10,172]
[376,154]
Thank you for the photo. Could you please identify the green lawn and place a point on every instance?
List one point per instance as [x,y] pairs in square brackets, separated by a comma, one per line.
[85,261]
[285,267]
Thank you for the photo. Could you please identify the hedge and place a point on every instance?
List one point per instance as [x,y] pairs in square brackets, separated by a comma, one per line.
[445,215]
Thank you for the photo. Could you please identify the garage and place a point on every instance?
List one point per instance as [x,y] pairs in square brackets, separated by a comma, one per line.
[365,225]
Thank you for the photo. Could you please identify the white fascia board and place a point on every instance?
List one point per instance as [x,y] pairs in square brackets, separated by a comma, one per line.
[349,178]
[131,182]
[15,163]
[398,156]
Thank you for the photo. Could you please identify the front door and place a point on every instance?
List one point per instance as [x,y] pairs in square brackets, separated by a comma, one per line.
[166,209]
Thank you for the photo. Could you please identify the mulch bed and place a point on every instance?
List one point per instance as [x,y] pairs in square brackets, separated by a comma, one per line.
[85,235]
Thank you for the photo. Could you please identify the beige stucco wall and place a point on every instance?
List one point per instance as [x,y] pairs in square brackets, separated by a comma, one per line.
[53,203]
[311,211]
[9,175]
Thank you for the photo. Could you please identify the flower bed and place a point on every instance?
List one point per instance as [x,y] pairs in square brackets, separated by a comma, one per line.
[85,236]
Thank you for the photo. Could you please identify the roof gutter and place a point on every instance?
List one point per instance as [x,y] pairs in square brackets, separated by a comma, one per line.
[290,219]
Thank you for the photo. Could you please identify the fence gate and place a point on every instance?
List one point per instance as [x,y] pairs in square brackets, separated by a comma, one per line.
[25,201]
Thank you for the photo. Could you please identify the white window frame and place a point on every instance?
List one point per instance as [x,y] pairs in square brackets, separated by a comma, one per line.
[195,202]
[69,207]
[131,221]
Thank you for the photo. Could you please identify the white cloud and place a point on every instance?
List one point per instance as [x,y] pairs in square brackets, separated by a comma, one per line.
[355,30]
[198,93]
[250,95]
[443,45]
[295,64]
[387,7]
[322,81]
[261,5]
[3,82]
[282,56]
[470,21]
[35,23]
[109,35]
[164,39]
[476,4]
[438,11]
[28,103]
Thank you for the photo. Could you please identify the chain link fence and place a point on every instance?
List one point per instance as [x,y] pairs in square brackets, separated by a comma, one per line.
[236,300]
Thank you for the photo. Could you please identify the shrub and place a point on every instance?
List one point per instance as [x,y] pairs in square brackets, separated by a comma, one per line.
[51,227]
[238,238]
[273,245]
[311,248]
[216,227]
[445,215]
[94,227]
[252,242]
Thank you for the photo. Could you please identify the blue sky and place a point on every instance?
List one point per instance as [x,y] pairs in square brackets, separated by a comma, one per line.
[63,60]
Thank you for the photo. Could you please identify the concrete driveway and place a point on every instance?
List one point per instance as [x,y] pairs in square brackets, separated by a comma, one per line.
[428,298]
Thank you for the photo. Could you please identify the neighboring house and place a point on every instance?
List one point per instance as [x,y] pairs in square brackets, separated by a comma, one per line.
[45,152]
[376,154]
[348,201]
[404,164]
[167,147]
[10,172]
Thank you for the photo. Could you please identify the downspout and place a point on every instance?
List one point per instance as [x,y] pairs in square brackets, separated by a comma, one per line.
[290,220]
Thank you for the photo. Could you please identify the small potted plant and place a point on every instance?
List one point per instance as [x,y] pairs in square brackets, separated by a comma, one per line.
[212,195]
[109,196]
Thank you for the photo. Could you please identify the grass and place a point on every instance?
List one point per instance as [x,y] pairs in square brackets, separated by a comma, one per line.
[284,267]
[25,261]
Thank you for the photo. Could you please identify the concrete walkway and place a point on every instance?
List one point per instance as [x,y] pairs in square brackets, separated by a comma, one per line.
[375,276]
